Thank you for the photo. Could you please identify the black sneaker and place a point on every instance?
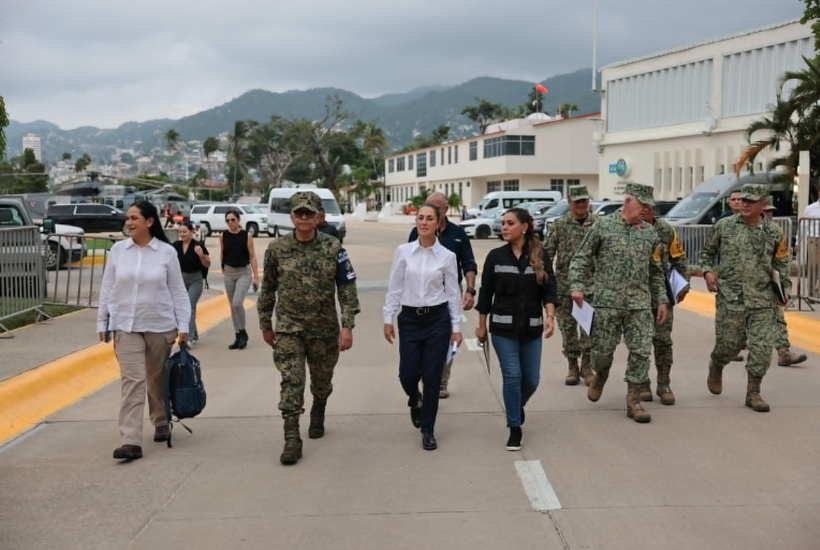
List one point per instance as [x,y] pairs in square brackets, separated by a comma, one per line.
[128,452]
[428,441]
[514,441]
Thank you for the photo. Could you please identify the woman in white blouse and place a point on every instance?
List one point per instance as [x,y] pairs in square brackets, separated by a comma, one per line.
[144,303]
[424,283]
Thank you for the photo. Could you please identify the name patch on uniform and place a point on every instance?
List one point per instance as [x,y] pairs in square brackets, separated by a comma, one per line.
[344,269]
[782,250]
[676,250]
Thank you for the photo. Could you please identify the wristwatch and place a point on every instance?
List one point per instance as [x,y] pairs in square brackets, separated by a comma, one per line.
[471,291]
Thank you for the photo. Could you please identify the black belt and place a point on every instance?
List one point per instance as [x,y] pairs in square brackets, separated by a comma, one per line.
[422,311]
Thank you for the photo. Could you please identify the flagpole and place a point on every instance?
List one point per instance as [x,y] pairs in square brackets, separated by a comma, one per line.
[595,46]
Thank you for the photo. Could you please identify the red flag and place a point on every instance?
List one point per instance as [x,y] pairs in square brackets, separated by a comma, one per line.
[541,89]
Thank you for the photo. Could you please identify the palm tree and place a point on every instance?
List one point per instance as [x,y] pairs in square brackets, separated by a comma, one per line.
[211,145]
[172,137]
[375,142]
[236,143]
[780,127]
[566,109]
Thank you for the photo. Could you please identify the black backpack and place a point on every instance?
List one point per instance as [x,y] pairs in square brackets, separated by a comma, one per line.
[184,390]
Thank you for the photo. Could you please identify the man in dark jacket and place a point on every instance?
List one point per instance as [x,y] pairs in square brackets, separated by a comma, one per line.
[327,228]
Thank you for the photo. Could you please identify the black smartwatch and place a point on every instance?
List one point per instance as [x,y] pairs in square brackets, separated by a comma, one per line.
[471,291]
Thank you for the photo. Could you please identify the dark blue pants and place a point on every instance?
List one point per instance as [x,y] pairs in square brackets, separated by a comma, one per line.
[520,360]
[423,344]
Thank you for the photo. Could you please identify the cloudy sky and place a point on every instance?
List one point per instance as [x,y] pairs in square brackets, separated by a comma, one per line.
[104,62]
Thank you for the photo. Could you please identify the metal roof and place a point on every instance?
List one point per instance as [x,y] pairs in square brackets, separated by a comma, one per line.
[692,46]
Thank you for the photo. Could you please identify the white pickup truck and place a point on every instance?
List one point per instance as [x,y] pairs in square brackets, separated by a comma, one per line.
[67,243]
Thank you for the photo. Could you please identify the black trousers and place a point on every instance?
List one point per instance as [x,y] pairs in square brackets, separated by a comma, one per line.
[423,344]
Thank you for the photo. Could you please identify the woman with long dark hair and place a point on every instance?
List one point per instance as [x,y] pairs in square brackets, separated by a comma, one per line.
[142,279]
[194,261]
[424,283]
[516,283]
[237,254]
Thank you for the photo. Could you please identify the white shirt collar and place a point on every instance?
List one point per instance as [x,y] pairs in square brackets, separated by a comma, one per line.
[436,248]
[154,243]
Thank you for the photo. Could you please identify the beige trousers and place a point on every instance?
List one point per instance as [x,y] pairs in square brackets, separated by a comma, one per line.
[142,357]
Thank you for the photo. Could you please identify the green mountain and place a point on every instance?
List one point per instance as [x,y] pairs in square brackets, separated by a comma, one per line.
[403,116]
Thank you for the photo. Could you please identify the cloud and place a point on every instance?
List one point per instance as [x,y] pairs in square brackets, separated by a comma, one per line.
[95,62]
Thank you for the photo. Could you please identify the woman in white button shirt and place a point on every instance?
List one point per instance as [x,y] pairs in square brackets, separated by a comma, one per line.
[424,283]
[144,303]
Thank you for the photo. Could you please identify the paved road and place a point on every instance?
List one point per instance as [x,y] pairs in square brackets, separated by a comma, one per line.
[706,473]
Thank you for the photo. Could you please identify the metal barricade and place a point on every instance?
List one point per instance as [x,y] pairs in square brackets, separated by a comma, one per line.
[693,239]
[808,261]
[81,262]
[22,272]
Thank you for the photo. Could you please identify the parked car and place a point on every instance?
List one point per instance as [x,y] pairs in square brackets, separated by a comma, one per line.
[279,209]
[66,244]
[606,208]
[211,218]
[662,207]
[479,228]
[92,218]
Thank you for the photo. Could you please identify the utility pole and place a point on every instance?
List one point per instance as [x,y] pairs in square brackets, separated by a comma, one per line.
[595,46]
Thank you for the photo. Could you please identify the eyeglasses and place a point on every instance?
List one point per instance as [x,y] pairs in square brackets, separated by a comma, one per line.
[229,220]
[304,214]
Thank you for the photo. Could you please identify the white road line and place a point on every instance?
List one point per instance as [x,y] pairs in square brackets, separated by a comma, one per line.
[539,489]
[472,344]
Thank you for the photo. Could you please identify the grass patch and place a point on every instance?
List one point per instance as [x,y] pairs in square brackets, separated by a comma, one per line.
[29,317]
[99,244]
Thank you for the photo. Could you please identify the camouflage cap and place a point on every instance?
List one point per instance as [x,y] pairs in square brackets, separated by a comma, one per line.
[644,193]
[305,200]
[578,193]
[754,192]
[769,204]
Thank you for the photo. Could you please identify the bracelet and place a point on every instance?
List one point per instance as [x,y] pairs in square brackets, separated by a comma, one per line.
[551,316]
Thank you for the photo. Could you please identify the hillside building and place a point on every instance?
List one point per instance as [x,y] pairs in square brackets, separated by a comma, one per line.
[676,118]
[32,142]
[517,155]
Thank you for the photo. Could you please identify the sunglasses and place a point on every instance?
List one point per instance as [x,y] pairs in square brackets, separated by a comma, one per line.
[229,220]
[304,214]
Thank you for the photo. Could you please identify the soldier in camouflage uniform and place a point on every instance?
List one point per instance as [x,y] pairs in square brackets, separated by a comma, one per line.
[564,239]
[750,249]
[628,280]
[785,356]
[303,272]
[672,256]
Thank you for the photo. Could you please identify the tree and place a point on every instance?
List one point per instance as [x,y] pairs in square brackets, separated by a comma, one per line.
[127,158]
[66,156]
[325,139]
[812,13]
[483,114]
[200,176]
[4,122]
[535,102]
[454,201]
[441,134]
[172,138]
[420,199]
[236,143]
[272,148]
[566,109]
[28,158]
[211,145]
[374,143]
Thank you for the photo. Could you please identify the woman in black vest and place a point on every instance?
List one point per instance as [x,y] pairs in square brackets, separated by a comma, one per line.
[516,283]
[237,254]
[194,261]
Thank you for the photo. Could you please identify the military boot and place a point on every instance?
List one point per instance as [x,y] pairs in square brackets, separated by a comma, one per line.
[753,398]
[715,379]
[663,390]
[633,404]
[645,391]
[293,442]
[572,378]
[596,388]
[586,372]
[785,357]
[317,419]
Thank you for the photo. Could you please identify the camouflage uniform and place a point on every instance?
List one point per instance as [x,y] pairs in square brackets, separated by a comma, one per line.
[744,257]
[563,241]
[304,274]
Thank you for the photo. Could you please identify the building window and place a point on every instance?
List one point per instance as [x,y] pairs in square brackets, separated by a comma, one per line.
[493,186]
[680,179]
[573,182]
[390,166]
[722,169]
[702,174]
[473,150]
[460,187]
[450,155]
[509,145]
[510,185]
[557,185]
[421,165]
[432,158]
[409,162]
[400,164]
[455,147]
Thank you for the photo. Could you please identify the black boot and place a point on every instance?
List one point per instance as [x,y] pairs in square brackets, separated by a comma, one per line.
[242,342]
[317,419]
[235,344]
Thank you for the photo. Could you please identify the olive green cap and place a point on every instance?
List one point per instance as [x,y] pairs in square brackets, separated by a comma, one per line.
[644,193]
[754,192]
[578,192]
[305,200]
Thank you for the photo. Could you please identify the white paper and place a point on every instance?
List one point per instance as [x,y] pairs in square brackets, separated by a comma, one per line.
[452,353]
[583,315]
[676,284]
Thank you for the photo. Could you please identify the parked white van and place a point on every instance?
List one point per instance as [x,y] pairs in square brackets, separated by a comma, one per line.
[279,209]
[499,201]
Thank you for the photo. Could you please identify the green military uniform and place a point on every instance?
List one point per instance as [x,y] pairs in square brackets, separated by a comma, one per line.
[745,257]
[299,285]
[563,241]
[672,256]
[628,280]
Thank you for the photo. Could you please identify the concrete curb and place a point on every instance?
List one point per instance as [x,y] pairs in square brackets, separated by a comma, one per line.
[803,330]
[27,399]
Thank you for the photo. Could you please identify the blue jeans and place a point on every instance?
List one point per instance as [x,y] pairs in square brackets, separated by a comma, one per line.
[520,360]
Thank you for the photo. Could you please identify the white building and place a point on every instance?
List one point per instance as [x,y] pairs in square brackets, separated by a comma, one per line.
[32,142]
[517,155]
[676,118]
